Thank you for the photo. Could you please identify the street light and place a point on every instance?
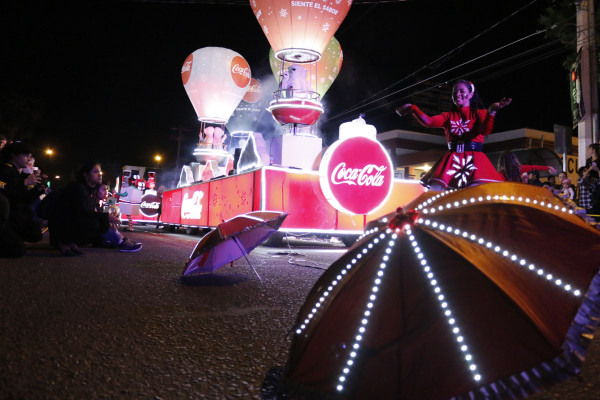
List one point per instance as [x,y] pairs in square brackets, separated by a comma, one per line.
[49,152]
[158,158]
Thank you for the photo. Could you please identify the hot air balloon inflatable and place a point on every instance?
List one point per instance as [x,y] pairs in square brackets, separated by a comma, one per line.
[325,71]
[298,32]
[215,79]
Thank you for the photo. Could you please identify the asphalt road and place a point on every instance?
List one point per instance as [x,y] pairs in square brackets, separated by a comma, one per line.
[111,325]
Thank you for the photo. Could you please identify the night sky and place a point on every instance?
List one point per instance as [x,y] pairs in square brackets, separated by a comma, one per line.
[101,79]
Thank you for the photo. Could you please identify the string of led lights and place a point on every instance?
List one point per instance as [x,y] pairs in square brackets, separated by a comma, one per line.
[428,209]
[445,306]
[423,207]
[368,306]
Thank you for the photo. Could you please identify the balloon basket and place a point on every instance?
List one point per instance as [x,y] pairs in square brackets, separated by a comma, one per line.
[204,155]
[296,111]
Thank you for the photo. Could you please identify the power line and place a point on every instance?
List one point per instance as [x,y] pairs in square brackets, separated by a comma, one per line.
[362,104]
[440,59]
[482,79]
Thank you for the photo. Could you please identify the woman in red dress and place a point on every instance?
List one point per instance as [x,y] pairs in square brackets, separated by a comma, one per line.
[464,164]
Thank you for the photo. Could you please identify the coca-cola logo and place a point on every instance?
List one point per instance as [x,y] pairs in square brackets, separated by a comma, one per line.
[240,71]
[191,207]
[186,68]
[356,175]
[254,92]
[369,175]
[150,206]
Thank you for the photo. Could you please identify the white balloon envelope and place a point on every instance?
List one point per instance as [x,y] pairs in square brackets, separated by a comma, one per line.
[215,79]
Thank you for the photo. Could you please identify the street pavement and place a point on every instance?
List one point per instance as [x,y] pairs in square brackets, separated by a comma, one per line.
[112,325]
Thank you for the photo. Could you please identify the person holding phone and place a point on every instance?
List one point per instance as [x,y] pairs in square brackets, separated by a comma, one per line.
[21,190]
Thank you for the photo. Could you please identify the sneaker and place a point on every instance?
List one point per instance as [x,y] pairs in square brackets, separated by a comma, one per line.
[128,246]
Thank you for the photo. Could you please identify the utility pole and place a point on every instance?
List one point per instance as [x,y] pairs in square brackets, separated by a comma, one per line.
[587,127]
[179,138]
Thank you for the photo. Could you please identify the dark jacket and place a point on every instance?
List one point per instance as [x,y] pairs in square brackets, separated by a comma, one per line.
[20,199]
[75,219]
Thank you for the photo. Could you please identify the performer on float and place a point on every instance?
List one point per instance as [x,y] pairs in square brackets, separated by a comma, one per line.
[465,127]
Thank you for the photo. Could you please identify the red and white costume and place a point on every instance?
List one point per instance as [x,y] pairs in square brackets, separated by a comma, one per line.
[464,164]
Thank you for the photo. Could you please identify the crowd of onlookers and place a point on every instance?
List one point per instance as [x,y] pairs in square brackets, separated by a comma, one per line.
[587,191]
[73,216]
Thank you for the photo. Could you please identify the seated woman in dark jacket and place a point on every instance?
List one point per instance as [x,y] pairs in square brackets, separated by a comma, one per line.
[75,221]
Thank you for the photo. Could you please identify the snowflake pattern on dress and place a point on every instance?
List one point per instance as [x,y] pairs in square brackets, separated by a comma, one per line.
[283,13]
[461,169]
[326,27]
[459,127]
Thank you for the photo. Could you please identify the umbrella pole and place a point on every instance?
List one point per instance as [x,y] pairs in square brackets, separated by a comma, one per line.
[245,256]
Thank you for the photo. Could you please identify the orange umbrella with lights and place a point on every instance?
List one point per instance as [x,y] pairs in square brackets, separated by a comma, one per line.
[456,297]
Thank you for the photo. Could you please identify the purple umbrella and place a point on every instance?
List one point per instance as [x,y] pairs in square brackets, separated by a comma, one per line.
[233,239]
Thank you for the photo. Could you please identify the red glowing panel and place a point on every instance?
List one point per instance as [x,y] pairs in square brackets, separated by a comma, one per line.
[171,207]
[229,197]
[299,194]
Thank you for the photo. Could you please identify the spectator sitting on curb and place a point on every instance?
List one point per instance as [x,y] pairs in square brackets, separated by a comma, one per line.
[75,221]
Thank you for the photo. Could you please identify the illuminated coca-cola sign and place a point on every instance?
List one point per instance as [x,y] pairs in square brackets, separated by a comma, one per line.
[356,175]
[150,206]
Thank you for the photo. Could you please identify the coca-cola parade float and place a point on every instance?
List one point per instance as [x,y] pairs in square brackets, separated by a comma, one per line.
[332,192]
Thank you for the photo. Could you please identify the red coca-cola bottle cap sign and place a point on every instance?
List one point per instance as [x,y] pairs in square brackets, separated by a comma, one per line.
[356,175]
